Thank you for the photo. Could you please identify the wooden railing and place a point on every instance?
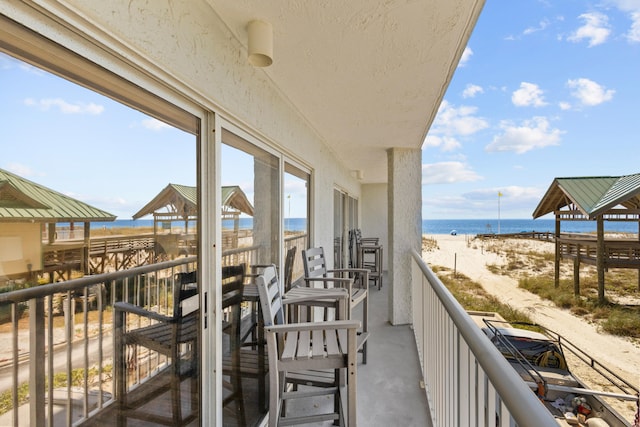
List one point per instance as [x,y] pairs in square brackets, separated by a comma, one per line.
[619,253]
[537,235]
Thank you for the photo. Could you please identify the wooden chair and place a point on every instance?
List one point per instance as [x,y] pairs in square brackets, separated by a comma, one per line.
[240,361]
[369,255]
[303,347]
[174,335]
[355,280]
[288,268]
[232,290]
[251,292]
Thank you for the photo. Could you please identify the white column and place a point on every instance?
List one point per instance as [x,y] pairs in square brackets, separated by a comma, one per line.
[405,227]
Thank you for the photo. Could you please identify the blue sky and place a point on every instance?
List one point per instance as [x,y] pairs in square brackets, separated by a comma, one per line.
[545,89]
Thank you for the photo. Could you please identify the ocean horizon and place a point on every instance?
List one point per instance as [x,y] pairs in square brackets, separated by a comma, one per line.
[432,226]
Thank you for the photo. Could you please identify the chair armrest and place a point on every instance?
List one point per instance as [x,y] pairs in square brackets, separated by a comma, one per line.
[341,282]
[335,293]
[328,279]
[349,270]
[362,271]
[314,326]
[126,307]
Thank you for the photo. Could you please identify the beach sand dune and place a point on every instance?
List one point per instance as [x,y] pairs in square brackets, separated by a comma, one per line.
[471,258]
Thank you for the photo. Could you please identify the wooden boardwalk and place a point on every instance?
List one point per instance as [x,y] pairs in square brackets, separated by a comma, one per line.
[618,252]
[537,235]
[102,254]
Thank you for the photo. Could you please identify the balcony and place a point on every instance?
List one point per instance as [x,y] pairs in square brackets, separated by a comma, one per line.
[440,372]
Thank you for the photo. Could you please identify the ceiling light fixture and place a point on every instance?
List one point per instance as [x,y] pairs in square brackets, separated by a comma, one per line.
[260,43]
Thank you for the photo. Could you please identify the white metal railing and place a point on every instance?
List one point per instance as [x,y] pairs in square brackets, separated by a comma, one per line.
[467,381]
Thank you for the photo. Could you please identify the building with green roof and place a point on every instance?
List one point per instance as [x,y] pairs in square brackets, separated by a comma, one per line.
[26,210]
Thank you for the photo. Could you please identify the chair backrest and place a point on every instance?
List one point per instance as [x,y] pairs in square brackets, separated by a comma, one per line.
[185,294]
[314,262]
[270,297]
[232,284]
[232,290]
[354,240]
[288,268]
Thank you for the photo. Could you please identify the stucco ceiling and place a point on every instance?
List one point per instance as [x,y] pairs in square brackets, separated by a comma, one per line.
[367,75]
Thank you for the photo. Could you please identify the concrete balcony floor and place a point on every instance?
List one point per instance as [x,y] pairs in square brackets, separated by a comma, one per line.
[389,390]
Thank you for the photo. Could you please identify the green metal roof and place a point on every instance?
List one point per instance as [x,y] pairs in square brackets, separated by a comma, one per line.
[182,200]
[592,196]
[23,200]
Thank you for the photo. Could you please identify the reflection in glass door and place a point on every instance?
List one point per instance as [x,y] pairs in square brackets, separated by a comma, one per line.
[250,238]
[296,222]
[87,165]
[345,220]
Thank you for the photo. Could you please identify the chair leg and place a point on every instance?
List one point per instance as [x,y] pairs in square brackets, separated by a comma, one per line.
[239,396]
[121,370]
[337,404]
[176,404]
[365,326]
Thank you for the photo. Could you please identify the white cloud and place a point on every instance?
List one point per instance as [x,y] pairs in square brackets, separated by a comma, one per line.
[634,33]
[458,120]
[155,124]
[530,135]
[564,105]
[452,122]
[448,173]
[446,143]
[466,56]
[529,94]
[20,169]
[513,193]
[471,91]
[596,29]
[63,106]
[541,26]
[632,7]
[589,93]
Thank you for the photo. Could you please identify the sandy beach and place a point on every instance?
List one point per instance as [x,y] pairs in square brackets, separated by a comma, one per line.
[471,258]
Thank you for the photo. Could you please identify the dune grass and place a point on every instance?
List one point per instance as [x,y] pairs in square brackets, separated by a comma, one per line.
[472,296]
[614,318]
[618,315]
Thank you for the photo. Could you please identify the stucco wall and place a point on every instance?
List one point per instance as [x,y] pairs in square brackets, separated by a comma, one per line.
[195,49]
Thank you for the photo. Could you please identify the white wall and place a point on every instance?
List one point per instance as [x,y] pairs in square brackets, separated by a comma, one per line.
[374,213]
[20,248]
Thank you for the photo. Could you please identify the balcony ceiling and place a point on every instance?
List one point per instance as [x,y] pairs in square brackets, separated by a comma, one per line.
[367,75]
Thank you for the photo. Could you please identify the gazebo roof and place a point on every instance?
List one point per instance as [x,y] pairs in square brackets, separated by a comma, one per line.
[182,200]
[592,196]
[24,200]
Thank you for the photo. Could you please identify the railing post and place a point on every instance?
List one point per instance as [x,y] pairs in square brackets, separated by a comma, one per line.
[36,362]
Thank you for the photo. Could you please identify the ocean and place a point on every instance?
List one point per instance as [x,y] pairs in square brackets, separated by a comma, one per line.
[434,226]
[505,226]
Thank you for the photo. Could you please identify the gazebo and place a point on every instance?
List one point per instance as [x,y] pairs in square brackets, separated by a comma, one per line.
[180,203]
[604,198]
